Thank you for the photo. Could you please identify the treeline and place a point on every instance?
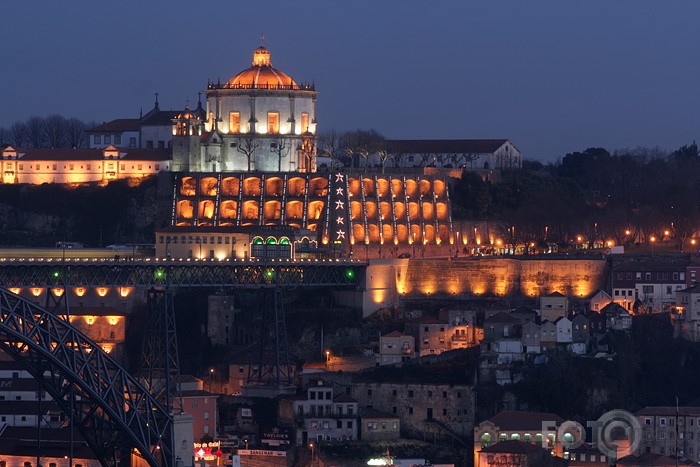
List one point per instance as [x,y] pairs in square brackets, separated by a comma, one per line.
[53,131]
[626,197]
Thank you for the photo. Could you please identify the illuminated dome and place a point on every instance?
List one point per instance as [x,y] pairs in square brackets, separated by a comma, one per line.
[186,115]
[261,73]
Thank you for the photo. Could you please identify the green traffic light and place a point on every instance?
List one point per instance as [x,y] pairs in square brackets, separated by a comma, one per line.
[269,273]
[56,274]
[160,274]
[350,274]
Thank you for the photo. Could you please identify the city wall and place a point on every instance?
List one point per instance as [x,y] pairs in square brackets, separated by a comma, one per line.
[387,281]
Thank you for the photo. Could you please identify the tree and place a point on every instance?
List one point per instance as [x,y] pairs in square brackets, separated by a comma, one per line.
[384,156]
[280,146]
[247,145]
[361,143]
[76,136]
[18,134]
[55,131]
[36,134]
[329,146]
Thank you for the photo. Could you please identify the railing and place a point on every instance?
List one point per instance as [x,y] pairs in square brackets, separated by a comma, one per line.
[267,87]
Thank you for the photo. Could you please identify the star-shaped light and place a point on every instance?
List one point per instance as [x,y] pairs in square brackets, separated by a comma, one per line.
[341,234]
[339,205]
[339,177]
[339,220]
[339,191]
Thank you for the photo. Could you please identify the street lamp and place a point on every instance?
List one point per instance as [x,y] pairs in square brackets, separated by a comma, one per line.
[328,357]
[311,445]
[652,239]
[211,375]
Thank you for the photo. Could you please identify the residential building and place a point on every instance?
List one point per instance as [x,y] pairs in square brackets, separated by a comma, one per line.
[201,404]
[598,322]
[650,285]
[395,347]
[379,426]
[429,334]
[553,306]
[501,325]
[548,335]
[322,415]
[462,336]
[531,338]
[664,428]
[616,317]
[580,328]
[599,300]
[653,460]
[563,330]
[424,410]
[502,339]
[686,314]
[80,165]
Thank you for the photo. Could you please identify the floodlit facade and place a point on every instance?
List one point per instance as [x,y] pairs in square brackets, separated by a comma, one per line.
[259,120]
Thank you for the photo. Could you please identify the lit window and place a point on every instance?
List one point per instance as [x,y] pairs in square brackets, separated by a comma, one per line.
[273,123]
[304,122]
[234,122]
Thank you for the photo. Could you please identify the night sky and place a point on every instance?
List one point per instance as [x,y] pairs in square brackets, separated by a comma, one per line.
[552,76]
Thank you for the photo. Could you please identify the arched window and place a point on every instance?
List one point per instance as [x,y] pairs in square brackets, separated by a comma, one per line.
[515,436]
[257,241]
[284,241]
[271,241]
[485,440]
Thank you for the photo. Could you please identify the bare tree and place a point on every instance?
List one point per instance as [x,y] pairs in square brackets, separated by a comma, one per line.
[384,156]
[35,132]
[361,143]
[329,146]
[75,133]
[18,134]
[280,146]
[55,129]
[4,134]
[247,145]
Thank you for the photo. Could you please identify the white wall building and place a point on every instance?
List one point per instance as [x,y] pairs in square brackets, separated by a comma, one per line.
[259,120]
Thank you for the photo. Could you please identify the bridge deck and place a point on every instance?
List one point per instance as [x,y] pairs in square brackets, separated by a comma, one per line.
[31,272]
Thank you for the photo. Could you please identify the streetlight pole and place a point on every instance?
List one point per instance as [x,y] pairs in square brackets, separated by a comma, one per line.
[311,445]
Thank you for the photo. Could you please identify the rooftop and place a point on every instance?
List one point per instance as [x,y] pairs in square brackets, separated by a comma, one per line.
[514,420]
[445,146]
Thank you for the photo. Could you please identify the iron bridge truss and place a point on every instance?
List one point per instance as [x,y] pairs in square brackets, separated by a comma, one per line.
[112,410]
[243,274]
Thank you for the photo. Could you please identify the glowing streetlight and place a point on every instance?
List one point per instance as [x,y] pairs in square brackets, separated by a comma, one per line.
[579,238]
[311,445]
[328,357]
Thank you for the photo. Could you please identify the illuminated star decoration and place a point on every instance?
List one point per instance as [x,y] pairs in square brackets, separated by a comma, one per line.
[339,177]
[339,205]
[339,191]
[339,220]
[341,234]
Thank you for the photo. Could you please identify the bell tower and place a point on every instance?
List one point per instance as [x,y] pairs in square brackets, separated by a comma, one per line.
[187,132]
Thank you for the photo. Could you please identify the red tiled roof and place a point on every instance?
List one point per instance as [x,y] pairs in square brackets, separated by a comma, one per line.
[161,118]
[393,334]
[342,397]
[445,146]
[374,413]
[117,126]
[90,154]
[514,420]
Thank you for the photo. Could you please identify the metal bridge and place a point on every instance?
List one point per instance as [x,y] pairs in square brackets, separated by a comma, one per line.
[194,273]
[112,410]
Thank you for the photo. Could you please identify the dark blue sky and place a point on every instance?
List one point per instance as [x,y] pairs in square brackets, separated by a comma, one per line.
[553,76]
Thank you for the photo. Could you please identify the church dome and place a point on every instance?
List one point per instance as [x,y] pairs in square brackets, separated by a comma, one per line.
[261,74]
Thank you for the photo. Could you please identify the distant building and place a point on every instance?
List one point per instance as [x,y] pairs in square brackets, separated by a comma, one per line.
[379,426]
[429,334]
[599,300]
[395,347]
[152,130]
[686,313]
[664,428]
[616,317]
[650,285]
[68,165]
[531,338]
[103,325]
[201,404]
[536,429]
[517,453]
[463,153]
[553,306]
[323,415]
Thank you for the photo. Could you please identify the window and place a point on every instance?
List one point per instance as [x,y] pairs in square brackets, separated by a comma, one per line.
[669,290]
[312,395]
[206,415]
[97,139]
[117,139]
[71,166]
[662,422]
[304,122]
[149,144]
[638,275]
[273,123]
[206,429]
[647,276]
[339,424]
[394,392]
[394,410]
[349,424]
[123,167]
[647,289]
[444,412]
[410,410]
[107,138]
[132,142]
[410,393]
[234,122]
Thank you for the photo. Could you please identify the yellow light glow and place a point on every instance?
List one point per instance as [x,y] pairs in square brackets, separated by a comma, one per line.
[579,238]
[80,291]
[102,291]
[124,291]
[667,233]
[610,243]
[652,239]
[499,242]
[627,232]
[58,292]
[107,348]
[15,290]
[692,241]
[36,291]
[90,320]
[113,320]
